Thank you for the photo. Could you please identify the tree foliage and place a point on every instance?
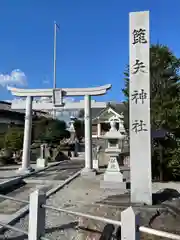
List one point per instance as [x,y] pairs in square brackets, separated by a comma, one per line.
[79,128]
[39,126]
[165,103]
[49,130]
[43,130]
[13,138]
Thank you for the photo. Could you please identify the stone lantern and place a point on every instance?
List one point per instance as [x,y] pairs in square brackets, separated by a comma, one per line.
[113,177]
[71,124]
[73,138]
[71,129]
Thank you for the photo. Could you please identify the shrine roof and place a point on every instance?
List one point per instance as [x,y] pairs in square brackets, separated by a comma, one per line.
[117,107]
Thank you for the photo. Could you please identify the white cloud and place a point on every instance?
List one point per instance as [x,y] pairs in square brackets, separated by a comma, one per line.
[15,78]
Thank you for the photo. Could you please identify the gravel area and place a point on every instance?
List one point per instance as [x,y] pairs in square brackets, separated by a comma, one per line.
[60,225]
[80,195]
[6,174]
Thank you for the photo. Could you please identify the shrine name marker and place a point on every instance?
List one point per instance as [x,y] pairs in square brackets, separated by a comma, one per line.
[139,100]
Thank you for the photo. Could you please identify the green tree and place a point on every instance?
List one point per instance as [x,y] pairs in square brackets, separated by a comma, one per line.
[165,102]
[48,130]
[2,144]
[55,131]
[39,126]
[79,127]
[13,138]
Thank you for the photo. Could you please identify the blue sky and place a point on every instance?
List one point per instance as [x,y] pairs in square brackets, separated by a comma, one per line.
[92,43]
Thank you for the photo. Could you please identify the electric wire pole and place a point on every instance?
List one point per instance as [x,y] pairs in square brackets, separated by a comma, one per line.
[55,52]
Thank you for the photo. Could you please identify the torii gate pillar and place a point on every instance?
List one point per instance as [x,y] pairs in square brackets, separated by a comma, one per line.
[26,167]
[88,135]
[57,95]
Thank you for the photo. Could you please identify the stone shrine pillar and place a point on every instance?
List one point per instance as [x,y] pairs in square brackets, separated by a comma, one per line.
[42,160]
[96,153]
[43,151]
[139,109]
[27,137]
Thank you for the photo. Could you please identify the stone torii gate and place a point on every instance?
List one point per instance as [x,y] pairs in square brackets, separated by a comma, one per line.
[57,103]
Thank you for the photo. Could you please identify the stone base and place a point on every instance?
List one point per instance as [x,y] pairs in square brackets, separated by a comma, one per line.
[113,177]
[41,163]
[23,171]
[88,173]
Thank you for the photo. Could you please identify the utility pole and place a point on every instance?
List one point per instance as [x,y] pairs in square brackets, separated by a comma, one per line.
[55,52]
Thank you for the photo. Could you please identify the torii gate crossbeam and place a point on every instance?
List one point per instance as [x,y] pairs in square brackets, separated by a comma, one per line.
[58,104]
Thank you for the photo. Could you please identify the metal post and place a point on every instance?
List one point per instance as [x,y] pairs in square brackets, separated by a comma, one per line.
[54,77]
[36,215]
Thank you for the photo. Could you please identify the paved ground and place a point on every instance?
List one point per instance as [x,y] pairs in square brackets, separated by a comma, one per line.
[82,195]
[47,180]
[11,171]
[60,172]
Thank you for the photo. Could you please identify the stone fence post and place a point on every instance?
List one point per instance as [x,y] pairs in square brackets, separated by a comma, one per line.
[129,225]
[36,215]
